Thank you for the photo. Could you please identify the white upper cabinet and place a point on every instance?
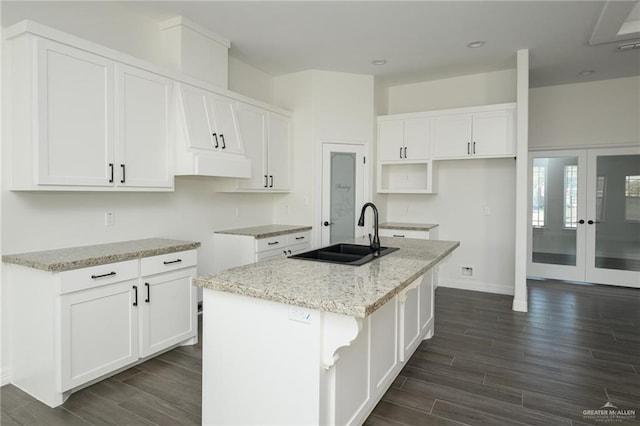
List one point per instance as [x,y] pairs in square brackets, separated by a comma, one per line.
[227,138]
[73,114]
[487,132]
[90,124]
[278,164]
[403,139]
[209,142]
[144,104]
[266,135]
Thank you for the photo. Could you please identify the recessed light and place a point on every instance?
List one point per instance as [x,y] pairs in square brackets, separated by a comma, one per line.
[379,62]
[586,72]
[475,44]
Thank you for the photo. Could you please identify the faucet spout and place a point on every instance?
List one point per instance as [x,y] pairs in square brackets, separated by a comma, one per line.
[374,243]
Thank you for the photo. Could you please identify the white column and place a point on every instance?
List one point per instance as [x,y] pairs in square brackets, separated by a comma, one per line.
[522,179]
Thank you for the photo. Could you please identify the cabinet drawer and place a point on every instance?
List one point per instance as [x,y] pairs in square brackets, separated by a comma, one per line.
[271,243]
[270,254]
[299,238]
[168,262]
[404,233]
[95,276]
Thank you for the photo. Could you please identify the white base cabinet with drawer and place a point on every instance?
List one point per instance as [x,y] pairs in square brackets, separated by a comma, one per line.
[74,327]
[432,234]
[231,250]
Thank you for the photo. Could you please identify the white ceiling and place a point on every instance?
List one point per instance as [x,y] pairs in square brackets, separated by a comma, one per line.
[421,40]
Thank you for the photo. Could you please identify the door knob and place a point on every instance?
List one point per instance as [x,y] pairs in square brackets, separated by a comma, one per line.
[591,222]
[327,223]
[581,221]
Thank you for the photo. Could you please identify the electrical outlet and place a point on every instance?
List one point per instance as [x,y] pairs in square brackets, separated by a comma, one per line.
[108,219]
[466,271]
[237,211]
[487,210]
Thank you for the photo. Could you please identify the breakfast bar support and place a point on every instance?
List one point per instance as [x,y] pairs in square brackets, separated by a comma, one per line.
[295,365]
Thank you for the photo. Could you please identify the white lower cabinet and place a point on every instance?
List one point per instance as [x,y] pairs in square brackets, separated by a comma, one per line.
[76,326]
[431,234]
[168,309]
[385,343]
[231,250]
[99,332]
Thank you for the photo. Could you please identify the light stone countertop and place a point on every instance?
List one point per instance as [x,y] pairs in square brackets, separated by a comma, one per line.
[81,257]
[344,289]
[408,226]
[265,231]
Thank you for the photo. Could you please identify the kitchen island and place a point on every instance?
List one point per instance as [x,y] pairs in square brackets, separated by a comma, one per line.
[292,341]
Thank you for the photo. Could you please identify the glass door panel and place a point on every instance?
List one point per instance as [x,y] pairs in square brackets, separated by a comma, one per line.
[557,236]
[613,223]
[343,196]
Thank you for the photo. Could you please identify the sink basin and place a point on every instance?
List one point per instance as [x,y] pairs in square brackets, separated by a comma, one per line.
[345,254]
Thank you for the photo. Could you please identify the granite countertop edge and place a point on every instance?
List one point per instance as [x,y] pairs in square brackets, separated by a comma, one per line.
[266,231]
[408,226]
[30,260]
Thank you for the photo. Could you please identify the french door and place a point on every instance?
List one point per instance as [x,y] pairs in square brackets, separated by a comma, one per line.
[585,215]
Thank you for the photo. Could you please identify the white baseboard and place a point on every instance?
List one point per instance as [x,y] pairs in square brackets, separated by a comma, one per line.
[465,284]
[5,377]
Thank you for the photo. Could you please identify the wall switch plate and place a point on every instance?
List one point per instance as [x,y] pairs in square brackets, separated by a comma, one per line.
[108,219]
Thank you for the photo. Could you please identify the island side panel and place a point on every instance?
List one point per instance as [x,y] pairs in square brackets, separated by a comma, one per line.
[258,364]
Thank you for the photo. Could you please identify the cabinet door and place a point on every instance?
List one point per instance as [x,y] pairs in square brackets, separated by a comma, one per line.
[417,139]
[451,136]
[196,117]
[252,124]
[74,117]
[493,134]
[169,311]
[409,320]
[427,302]
[143,103]
[278,151]
[390,140]
[226,126]
[99,332]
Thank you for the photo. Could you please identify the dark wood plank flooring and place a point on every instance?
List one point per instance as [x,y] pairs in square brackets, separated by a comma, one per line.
[576,349]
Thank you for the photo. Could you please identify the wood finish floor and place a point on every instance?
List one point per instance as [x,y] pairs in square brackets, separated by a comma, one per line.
[576,349]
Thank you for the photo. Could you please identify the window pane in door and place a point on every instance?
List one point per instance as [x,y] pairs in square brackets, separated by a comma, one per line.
[343,196]
[553,241]
[617,242]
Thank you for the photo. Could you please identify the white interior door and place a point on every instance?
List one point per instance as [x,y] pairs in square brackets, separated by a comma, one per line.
[342,191]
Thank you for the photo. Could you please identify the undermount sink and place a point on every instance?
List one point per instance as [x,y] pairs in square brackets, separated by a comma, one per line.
[345,254]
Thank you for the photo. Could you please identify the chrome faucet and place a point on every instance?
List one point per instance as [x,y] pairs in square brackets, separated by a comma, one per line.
[374,243]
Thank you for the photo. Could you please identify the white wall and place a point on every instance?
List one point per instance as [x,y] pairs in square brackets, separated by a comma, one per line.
[585,114]
[466,187]
[250,81]
[329,106]
[470,90]
[47,220]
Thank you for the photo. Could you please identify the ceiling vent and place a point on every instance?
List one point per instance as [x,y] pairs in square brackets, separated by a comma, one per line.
[624,47]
